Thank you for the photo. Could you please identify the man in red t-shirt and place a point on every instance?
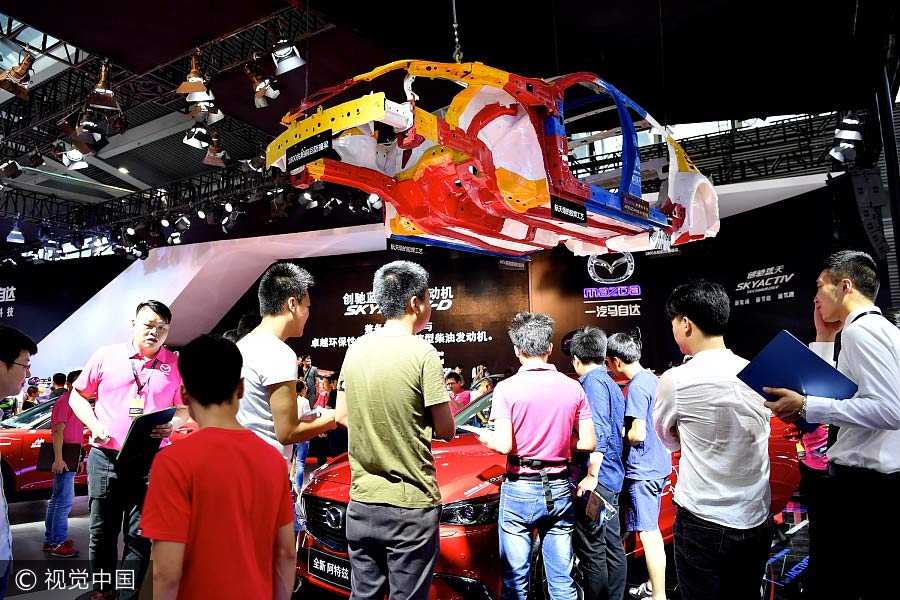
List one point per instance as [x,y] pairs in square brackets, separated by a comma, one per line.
[219,507]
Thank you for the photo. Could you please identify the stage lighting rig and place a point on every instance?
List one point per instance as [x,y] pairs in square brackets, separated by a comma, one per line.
[16,80]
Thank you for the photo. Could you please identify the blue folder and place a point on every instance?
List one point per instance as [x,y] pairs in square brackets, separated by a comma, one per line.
[786,362]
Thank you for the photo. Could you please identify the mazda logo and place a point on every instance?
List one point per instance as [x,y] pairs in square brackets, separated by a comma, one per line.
[334,517]
[610,268]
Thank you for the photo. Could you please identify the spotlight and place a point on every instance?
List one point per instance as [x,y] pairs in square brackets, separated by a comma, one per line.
[174,238]
[74,160]
[198,136]
[140,250]
[257,164]
[201,213]
[848,138]
[130,230]
[195,85]
[285,54]
[263,87]
[228,207]
[230,221]
[16,80]
[15,234]
[330,205]
[102,97]
[206,112]
[10,168]
[118,123]
[375,202]
[90,135]
[45,232]
[35,159]
[214,154]
[183,223]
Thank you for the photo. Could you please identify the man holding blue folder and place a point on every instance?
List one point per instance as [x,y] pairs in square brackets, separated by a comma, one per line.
[864,462]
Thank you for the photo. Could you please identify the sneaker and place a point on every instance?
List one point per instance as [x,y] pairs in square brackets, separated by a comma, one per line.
[48,547]
[64,551]
[640,592]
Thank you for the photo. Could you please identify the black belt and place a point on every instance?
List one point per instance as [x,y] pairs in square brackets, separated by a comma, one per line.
[859,473]
[542,474]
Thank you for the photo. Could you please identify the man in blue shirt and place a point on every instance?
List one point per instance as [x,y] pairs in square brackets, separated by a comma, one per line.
[648,463]
[598,545]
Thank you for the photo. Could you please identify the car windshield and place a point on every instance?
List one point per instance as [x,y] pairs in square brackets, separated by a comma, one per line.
[30,418]
[478,413]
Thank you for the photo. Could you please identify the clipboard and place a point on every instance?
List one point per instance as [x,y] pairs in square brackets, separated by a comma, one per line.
[138,444]
[71,453]
[786,362]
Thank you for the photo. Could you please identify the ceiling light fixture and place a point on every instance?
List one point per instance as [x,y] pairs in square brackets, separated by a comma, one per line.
[102,97]
[215,154]
[35,159]
[198,137]
[16,80]
[15,234]
[284,53]
[206,112]
[10,169]
[74,160]
[263,87]
[195,85]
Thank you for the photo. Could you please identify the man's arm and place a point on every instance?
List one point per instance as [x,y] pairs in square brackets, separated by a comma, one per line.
[587,437]
[59,465]
[589,483]
[598,398]
[284,563]
[443,425]
[340,409]
[167,559]
[182,414]
[82,409]
[500,439]
[288,427]
[665,414]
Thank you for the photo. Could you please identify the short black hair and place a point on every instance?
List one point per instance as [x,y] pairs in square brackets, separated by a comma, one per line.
[305,356]
[705,303]
[333,378]
[247,324]
[156,306]
[455,376]
[59,379]
[625,346]
[858,267]
[589,345]
[395,284]
[72,376]
[301,386]
[280,282]
[32,389]
[210,368]
[12,342]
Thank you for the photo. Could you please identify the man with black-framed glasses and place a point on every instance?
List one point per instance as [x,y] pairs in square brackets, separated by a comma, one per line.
[16,350]
[130,379]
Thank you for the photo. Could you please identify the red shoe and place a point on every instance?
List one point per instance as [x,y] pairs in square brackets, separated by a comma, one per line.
[64,551]
[48,547]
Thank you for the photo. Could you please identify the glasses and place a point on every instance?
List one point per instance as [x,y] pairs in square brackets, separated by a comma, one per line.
[26,365]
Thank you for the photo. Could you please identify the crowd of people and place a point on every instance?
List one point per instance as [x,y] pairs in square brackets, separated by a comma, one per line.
[215,512]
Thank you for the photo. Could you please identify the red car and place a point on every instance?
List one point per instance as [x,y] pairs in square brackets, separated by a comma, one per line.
[21,438]
[470,476]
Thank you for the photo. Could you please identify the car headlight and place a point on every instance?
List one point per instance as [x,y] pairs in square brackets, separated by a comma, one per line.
[480,511]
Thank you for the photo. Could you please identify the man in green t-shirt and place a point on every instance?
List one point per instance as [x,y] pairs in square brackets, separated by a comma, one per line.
[393,402]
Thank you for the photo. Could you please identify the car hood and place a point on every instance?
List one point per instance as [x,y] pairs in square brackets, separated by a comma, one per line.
[465,469]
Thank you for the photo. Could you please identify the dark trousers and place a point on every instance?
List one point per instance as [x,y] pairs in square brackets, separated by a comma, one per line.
[860,526]
[600,552]
[116,499]
[813,487]
[713,561]
[392,550]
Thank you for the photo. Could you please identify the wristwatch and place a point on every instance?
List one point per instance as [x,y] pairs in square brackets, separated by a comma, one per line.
[802,413]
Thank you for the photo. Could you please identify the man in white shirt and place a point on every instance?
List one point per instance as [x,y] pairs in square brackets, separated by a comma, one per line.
[864,462]
[721,427]
[269,405]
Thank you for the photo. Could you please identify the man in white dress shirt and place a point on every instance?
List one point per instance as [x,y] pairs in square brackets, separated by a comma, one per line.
[722,538]
[864,462]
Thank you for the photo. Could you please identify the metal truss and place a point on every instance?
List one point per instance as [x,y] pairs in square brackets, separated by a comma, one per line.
[797,146]
[25,125]
[208,189]
[58,50]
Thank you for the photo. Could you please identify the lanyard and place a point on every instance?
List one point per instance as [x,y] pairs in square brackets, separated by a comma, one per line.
[137,381]
[861,315]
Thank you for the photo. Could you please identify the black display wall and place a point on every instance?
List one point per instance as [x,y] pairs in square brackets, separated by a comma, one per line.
[767,259]
[472,301]
[38,298]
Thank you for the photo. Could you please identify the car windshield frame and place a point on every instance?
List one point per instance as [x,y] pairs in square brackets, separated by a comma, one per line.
[31,418]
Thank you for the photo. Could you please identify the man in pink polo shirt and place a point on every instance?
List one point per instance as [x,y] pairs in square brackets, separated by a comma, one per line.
[535,413]
[130,379]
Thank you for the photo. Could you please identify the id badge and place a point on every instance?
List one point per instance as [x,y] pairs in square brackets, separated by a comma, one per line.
[136,407]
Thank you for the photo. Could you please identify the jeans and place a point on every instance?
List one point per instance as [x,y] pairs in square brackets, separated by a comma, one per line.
[713,561]
[116,499]
[56,524]
[302,451]
[523,510]
[392,550]
[601,555]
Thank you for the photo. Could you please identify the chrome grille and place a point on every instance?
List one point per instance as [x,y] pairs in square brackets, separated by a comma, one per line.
[321,517]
